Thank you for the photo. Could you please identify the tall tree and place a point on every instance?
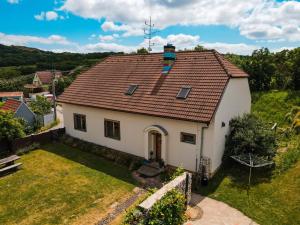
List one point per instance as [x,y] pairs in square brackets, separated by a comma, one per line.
[260,67]
[295,56]
[40,106]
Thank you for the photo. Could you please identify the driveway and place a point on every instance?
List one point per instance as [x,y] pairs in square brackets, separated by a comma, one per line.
[59,113]
[217,213]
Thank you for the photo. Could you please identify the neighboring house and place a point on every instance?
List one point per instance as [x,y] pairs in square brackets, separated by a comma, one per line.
[174,107]
[20,109]
[42,78]
[14,95]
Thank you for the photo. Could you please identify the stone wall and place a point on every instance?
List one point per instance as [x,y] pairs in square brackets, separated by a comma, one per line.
[183,183]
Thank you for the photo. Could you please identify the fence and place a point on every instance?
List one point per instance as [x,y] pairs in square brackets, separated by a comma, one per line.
[182,183]
[41,138]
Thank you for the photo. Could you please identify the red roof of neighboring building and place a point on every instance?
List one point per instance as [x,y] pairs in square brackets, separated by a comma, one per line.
[46,76]
[10,94]
[11,104]
[206,72]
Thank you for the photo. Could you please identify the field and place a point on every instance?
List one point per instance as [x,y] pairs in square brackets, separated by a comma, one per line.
[274,195]
[62,185]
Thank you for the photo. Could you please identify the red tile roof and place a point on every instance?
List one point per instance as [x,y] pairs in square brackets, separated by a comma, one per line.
[46,76]
[10,94]
[104,85]
[11,104]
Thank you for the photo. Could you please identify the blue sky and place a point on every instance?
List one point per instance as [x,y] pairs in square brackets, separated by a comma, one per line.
[117,25]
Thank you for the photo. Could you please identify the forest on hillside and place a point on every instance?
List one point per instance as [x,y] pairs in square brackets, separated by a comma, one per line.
[18,65]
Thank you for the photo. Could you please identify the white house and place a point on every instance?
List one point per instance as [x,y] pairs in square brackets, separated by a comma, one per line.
[171,106]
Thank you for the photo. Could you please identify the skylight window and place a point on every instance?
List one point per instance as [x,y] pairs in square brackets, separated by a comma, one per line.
[131,89]
[183,93]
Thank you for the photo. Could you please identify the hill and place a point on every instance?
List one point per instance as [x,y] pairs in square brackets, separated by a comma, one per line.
[18,63]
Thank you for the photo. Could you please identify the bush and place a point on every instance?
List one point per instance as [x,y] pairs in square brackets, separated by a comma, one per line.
[248,134]
[169,210]
[10,127]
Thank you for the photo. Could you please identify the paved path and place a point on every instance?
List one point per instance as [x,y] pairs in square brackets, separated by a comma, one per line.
[218,213]
[59,113]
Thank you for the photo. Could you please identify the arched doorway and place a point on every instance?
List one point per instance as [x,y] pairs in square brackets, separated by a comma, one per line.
[156,143]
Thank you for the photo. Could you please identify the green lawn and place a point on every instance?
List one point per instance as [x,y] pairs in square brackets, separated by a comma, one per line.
[274,199]
[62,185]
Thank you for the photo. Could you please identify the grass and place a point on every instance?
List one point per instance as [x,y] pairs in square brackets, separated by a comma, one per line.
[62,185]
[274,196]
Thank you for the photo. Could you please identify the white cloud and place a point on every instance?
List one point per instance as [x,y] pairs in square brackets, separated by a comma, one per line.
[256,19]
[181,41]
[104,38]
[240,48]
[10,39]
[13,1]
[50,15]
[128,30]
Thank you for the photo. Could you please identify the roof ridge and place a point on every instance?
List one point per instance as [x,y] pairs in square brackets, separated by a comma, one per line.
[217,55]
[156,53]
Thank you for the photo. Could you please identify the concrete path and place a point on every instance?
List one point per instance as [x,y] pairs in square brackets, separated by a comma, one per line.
[217,213]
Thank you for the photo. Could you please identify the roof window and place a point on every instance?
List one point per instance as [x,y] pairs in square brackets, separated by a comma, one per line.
[131,89]
[183,93]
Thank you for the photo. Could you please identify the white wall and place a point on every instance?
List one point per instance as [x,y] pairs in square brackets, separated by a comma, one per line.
[132,133]
[236,101]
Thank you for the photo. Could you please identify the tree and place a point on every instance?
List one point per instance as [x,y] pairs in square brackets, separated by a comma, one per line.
[248,134]
[40,106]
[295,57]
[260,67]
[199,48]
[10,127]
[142,51]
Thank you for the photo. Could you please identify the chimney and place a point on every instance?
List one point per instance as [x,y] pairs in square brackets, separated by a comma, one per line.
[169,58]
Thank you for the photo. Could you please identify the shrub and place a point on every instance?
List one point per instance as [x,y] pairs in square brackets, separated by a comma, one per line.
[10,127]
[169,210]
[248,134]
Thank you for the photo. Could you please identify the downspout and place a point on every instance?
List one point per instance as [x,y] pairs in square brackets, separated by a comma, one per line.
[201,143]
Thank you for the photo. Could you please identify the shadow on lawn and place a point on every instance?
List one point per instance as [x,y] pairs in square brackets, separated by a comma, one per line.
[90,160]
[238,175]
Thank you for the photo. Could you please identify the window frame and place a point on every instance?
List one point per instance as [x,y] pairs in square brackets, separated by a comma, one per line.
[187,93]
[182,134]
[76,127]
[134,87]
[106,133]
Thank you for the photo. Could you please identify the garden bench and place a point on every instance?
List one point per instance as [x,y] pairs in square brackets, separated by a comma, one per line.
[8,164]
[10,168]
[9,160]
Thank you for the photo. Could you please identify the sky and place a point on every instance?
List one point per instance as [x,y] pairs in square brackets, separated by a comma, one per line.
[229,26]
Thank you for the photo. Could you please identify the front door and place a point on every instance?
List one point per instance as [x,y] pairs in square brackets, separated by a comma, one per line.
[158,146]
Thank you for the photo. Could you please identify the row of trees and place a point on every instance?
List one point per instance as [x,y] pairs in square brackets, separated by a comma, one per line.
[267,70]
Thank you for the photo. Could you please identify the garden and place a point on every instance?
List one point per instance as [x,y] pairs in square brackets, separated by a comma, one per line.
[59,184]
[273,197]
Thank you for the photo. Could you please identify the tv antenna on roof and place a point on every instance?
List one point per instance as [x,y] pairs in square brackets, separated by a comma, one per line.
[148,33]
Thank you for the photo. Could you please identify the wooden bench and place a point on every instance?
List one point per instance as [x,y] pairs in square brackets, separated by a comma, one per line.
[10,168]
[9,160]
[8,164]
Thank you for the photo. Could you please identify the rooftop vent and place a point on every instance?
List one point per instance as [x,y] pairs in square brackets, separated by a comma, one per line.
[131,89]
[169,58]
[183,92]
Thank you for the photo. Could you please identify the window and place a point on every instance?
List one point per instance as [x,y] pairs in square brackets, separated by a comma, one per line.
[188,138]
[183,93]
[79,122]
[131,89]
[112,129]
